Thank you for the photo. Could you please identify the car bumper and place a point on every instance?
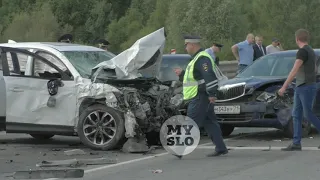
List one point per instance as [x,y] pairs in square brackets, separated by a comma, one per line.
[251,114]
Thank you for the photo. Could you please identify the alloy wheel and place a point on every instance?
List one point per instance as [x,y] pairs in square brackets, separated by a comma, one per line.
[99,127]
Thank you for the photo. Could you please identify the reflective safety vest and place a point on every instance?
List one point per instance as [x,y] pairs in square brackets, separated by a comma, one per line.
[190,85]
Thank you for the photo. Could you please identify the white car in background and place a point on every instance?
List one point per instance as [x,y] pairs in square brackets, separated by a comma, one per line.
[49,89]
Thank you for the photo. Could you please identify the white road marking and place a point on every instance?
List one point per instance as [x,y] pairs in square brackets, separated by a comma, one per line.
[158,155]
[259,148]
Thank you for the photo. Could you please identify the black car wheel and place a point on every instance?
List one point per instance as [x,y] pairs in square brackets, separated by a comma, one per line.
[226,129]
[42,136]
[101,127]
[306,128]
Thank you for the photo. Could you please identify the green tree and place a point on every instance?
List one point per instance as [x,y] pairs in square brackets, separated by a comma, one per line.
[42,27]
[214,20]
[8,8]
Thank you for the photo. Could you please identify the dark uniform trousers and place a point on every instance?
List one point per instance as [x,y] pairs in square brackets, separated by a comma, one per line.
[202,112]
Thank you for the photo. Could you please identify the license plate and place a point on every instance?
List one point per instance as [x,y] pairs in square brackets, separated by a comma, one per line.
[227,109]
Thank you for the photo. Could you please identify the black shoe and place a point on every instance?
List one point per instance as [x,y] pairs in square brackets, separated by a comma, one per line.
[292,147]
[217,153]
[178,156]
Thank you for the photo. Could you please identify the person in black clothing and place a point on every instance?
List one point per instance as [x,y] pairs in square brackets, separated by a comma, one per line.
[259,49]
[67,38]
[103,44]
[217,61]
[201,107]
[305,71]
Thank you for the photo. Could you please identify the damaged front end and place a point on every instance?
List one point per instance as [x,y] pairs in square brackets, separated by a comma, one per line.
[277,107]
[255,105]
[144,113]
[134,92]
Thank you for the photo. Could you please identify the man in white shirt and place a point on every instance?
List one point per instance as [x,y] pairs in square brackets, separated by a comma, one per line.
[275,46]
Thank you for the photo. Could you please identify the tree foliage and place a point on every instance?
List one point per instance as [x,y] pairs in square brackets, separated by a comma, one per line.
[122,22]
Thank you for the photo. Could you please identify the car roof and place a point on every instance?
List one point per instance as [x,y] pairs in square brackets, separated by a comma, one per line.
[292,52]
[55,45]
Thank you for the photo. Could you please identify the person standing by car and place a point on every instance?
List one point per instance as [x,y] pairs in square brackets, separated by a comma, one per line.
[243,52]
[199,90]
[259,49]
[215,48]
[304,69]
[275,46]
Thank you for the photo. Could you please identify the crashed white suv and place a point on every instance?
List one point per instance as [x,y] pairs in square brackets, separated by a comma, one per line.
[49,89]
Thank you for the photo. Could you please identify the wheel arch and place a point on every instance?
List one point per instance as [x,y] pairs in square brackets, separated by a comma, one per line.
[87,102]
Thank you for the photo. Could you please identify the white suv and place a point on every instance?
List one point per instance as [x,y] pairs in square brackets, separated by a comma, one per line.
[49,89]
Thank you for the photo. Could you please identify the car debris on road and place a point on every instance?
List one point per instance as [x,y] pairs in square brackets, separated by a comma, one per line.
[74,152]
[46,174]
[157,171]
[77,162]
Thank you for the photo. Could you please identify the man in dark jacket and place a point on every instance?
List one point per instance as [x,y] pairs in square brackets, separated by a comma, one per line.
[259,49]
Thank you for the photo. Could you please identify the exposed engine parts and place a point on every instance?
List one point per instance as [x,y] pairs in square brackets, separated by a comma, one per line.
[146,110]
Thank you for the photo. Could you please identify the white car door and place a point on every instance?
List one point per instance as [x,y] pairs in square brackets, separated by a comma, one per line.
[29,105]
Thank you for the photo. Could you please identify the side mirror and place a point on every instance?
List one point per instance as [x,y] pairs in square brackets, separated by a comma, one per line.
[53,86]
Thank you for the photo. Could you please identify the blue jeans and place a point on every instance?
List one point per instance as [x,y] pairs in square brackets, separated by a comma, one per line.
[241,67]
[302,107]
[202,112]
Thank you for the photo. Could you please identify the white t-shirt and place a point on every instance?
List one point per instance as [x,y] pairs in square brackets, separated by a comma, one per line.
[271,49]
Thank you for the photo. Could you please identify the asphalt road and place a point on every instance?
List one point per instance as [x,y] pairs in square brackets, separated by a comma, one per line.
[254,154]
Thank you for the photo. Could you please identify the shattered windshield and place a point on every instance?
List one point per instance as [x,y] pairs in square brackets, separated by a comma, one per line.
[275,65]
[84,61]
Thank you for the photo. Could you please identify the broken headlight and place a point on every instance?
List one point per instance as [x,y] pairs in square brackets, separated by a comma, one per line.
[266,97]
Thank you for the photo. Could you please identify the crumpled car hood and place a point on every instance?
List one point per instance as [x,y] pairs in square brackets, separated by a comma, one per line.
[143,57]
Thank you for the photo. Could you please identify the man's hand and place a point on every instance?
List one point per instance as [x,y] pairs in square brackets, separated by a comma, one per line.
[178,71]
[212,99]
[281,91]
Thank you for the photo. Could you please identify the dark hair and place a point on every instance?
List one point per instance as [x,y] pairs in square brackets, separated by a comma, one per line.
[302,35]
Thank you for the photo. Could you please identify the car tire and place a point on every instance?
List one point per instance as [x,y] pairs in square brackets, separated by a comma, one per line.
[306,129]
[42,136]
[117,131]
[226,129]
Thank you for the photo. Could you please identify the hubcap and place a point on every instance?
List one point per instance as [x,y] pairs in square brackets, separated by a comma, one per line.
[99,127]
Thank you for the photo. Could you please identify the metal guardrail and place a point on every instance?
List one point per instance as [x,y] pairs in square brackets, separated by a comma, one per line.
[229,68]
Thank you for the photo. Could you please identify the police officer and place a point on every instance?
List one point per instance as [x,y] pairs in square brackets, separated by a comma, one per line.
[199,89]
[103,44]
[67,38]
[215,48]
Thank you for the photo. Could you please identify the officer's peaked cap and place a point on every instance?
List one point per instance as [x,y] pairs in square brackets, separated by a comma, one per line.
[218,45]
[191,39]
